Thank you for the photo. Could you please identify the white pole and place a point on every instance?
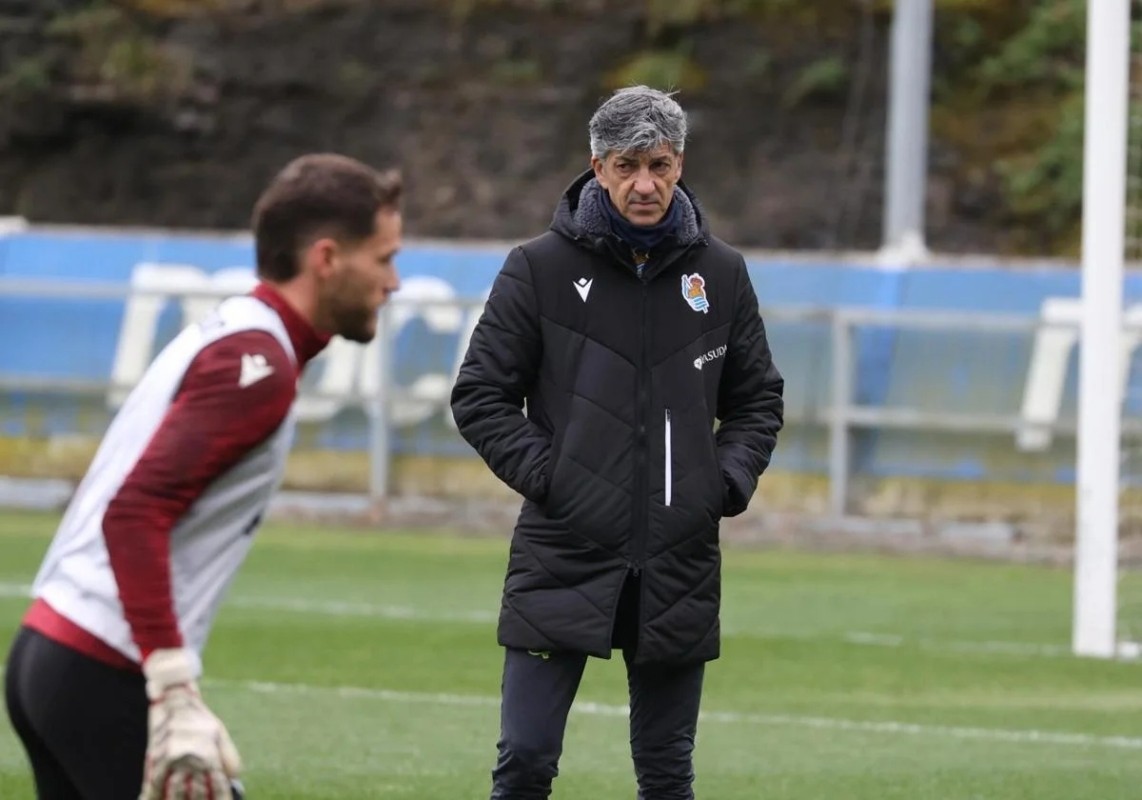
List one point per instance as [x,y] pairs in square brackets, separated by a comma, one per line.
[1100,389]
[906,147]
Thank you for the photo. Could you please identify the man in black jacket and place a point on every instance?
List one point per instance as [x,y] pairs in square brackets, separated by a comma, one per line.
[630,333]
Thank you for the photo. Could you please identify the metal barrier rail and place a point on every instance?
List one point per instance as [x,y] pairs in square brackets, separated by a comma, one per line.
[843,417]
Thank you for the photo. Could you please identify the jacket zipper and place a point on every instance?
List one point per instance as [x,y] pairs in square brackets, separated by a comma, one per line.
[669,491]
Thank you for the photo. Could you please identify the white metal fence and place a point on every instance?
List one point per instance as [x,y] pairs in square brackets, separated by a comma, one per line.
[843,416]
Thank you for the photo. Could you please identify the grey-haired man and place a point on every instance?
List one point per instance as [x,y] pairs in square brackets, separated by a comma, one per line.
[627,331]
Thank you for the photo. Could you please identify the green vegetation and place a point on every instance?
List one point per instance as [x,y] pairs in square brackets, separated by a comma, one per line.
[26,77]
[1029,86]
[668,70]
[1007,91]
[104,52]
[1007,86]
[825,78]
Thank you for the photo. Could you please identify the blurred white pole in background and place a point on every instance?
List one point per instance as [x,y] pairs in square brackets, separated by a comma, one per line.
[906,146]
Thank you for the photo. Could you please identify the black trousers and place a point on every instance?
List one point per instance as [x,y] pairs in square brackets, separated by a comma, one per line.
[537,693]
[83,723]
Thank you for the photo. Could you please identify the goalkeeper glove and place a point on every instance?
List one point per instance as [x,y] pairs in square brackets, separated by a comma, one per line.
[189,753]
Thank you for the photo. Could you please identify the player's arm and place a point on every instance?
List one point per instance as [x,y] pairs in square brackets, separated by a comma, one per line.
[498,371]
[215,419]
[211,424]
[751,404]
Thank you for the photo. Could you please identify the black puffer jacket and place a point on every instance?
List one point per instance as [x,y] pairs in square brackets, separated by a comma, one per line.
[623,377]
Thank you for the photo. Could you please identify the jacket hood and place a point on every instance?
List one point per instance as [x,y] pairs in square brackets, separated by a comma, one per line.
[580,214]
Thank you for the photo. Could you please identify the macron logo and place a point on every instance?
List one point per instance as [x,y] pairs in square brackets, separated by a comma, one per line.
[583,287]
[254,369]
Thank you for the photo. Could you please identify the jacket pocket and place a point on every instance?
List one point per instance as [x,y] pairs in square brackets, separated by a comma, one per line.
[668,450]
[553,461]
[719,480]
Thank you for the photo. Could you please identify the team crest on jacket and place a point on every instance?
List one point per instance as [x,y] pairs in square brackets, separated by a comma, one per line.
[694,291]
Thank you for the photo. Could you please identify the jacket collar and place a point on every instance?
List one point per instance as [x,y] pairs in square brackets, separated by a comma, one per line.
[581,219]
[596,214]
[307,340]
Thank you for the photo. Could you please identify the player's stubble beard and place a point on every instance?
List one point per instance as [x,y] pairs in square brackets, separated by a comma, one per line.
[356,320]
[347,306]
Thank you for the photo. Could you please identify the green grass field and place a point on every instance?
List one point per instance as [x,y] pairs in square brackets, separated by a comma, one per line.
[358,665]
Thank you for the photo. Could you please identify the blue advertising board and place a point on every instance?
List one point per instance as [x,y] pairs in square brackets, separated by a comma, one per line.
[954,371]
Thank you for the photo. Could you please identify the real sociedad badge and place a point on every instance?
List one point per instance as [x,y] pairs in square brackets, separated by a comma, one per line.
[694,291]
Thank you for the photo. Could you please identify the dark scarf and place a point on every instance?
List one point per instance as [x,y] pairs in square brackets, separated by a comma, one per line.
[642,237]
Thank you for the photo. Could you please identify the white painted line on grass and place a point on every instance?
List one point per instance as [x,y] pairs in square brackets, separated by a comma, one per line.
[1005,648]
[887,727]
[337,608]
[332,608]
[589,708]
[15,590]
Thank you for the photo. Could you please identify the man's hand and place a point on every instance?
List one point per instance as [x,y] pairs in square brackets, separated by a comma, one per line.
[189,753]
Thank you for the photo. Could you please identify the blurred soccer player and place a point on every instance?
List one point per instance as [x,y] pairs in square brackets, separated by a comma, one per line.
[102,678]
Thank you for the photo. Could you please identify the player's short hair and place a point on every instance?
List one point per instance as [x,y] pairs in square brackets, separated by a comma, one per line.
[637,118]
[316,195]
